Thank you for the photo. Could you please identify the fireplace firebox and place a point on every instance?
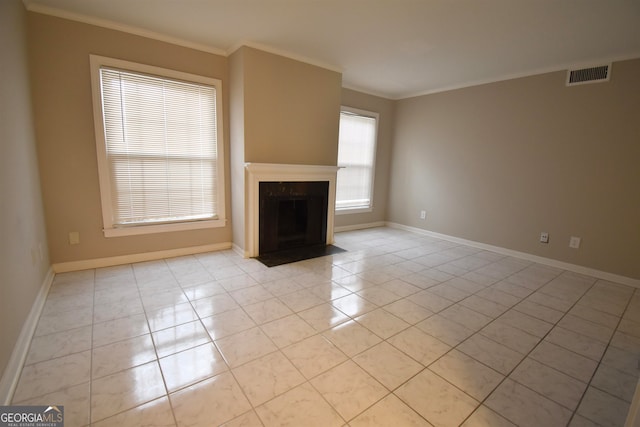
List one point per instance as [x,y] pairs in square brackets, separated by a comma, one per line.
[292,215]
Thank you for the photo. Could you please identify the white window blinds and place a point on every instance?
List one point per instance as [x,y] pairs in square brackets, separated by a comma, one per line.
[356,157]
[161,148]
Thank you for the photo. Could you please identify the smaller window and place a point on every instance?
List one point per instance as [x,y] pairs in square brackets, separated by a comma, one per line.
[356,160]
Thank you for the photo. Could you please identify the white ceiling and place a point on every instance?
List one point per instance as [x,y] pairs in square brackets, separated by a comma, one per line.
[393,48]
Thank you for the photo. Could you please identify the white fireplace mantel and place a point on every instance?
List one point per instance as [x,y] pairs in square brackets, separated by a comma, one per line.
[274,172]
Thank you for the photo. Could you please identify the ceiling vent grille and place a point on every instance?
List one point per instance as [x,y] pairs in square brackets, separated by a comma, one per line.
[597,74]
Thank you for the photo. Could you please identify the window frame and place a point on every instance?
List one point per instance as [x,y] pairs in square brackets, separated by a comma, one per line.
[109,228]
[376,117]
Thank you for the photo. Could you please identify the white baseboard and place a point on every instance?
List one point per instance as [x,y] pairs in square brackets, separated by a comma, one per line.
[64,267]
[359,226]
[237,249]
[9,380]
[529,257]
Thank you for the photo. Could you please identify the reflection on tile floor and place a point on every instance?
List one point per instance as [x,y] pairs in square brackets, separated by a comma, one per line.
[402,329]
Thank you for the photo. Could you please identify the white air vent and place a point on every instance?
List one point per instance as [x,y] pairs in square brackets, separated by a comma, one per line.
[597,74]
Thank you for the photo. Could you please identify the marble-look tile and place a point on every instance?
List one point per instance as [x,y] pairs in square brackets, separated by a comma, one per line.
[578,343]
[539,311]
[349,389]
[382,323]
[566,361]
[155,413]
[301,300]
[170,316]
[491,353]
[251,295]
[282,286]
[190,366]
[122,355]
[267,377]
[400,287]
[53,375]
[408,311]
[629,327]
[245,346]
[353,305]
[431,301]
[210,402]
[445,405]
[466,317]
[63,321]
[59,344]
[622,360]
[550,383]
[514,338]
[266,311]
[580,421]
[388,365]
[615,382]
[512,289]
[154,300]
[482,305]
[525,407]
[543,297]
[116,294]
[329,291]
[323,317]
[119,329]
[445,330]
[526,323]
[420,346]
[485,417]
[228,323]
[248,419]
[301,406]
[288,330]
[626,342]
[469,375]
[125,390]
[595,316]
[390,411]
[503,298]
[603,408]
[75,400]
[172,340]
[203,290]
[378,295]
[314,355]
[214,304]
[240,281]
[594,330]
[61,304]
[352,338]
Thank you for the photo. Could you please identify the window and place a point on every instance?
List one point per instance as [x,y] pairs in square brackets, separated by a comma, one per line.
[159,141]
[356,159]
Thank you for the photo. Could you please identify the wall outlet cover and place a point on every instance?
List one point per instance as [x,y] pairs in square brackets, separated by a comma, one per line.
[574,242]
[544,237]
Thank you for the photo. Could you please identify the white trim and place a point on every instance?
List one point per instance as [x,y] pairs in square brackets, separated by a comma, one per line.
[64,267]
[258,172]
[539,71]
[130,29]
[285,54]
[343,228]
[12,371]
[526,256]
[238,250]
[633,416]
[162,228]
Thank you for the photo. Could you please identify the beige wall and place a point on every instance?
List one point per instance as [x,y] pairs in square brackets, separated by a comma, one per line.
[284,111]
[291,110]
[499,163]
[66,141]
[22,229]
[385,108]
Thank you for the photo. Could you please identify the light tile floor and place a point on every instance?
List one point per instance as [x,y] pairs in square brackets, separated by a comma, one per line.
[400,330]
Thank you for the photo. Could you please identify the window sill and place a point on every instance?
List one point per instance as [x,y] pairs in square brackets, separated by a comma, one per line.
[347,211]
[163,228]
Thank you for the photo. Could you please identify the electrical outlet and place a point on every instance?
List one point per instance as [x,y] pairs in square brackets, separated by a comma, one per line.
[544,237]
[74,238]
[574,242]
[423,214]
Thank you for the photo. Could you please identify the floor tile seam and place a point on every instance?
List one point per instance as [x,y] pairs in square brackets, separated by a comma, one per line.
[90,408]
[597,340]
[599,363]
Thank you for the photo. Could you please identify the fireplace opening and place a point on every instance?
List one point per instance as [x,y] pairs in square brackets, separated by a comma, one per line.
[292,215]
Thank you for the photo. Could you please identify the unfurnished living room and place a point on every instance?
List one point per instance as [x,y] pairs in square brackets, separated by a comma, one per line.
[320,212]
